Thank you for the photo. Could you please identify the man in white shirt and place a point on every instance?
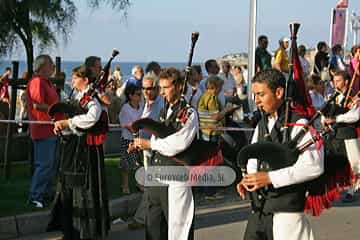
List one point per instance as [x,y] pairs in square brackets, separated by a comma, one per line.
[269,216]
[193,91]
[153,106]
[171,207]
[345,113]
[229,86]
[305,65]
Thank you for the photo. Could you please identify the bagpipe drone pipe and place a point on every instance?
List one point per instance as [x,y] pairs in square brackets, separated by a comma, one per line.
[199,152]
[72,106]
[273,156]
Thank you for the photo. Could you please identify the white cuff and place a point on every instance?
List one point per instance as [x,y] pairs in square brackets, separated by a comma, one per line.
[275,179]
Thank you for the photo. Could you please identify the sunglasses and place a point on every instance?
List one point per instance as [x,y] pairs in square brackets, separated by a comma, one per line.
[137,93]
[148,88]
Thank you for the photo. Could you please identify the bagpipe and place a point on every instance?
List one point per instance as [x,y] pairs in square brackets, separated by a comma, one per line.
[199,152]
[74,107]
[273,156]
[286,152]
[349,99]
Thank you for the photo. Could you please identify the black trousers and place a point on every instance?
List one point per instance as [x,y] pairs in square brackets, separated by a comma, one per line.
[259,227]
[156,219]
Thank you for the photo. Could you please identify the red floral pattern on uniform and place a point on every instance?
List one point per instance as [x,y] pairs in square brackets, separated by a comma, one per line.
[183,115]
[86,98]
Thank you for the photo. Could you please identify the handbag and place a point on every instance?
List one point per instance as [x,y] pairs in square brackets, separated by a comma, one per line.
[324,73]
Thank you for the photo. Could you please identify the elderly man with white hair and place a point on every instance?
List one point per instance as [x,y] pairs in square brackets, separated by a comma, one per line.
[154,103]
[40,94]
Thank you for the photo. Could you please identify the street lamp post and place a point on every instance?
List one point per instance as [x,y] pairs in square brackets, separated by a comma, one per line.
[252,45]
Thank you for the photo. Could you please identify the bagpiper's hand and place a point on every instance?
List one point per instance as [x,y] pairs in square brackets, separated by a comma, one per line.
[142,143]
[241,189]
[131,147]
[328,121]
[255,181]
[105,99]
[60,125]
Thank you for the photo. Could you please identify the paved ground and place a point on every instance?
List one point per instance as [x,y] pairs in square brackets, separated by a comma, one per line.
[226,219]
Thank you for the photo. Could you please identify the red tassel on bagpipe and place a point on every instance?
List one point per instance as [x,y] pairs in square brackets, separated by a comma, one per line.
[326,189]
[214,158]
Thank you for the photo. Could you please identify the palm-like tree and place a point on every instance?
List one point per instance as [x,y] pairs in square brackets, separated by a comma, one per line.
[37,21]
[40,22]
[116,4]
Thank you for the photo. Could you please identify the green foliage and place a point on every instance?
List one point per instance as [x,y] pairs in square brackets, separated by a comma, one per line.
[30,22]
[115,4]
[40,23]
[18,185]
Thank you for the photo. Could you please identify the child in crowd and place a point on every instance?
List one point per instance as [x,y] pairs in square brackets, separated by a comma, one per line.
[211,112]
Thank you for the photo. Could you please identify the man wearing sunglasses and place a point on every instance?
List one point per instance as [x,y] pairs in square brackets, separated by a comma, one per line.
[153,106]
[171,205]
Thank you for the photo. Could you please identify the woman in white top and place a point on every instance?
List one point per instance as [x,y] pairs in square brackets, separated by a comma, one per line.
[130,112]
[242,92]
[316,89]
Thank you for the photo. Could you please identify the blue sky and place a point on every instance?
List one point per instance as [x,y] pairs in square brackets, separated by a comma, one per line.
[160,29]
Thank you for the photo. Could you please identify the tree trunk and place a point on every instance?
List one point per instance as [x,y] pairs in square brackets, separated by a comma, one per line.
[29,55]
[28,43]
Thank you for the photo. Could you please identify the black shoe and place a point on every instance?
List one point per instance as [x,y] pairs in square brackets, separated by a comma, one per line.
[36,204]
[349,198]
[134,225]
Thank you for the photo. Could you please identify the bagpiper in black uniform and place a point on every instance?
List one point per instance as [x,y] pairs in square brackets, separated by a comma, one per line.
[170,206]
[81,207]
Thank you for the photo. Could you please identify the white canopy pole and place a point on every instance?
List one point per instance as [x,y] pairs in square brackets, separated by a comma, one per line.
[331,27]
[251,50]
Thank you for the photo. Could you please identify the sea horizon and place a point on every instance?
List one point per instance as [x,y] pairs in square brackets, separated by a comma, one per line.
[67,66]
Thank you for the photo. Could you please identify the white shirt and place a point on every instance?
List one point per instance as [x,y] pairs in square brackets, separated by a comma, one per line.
[305,65]
[317,99]
[178,141]
[229,82]
[309,165]
[351,116]
[88,119]
[152,111]
[127,116]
